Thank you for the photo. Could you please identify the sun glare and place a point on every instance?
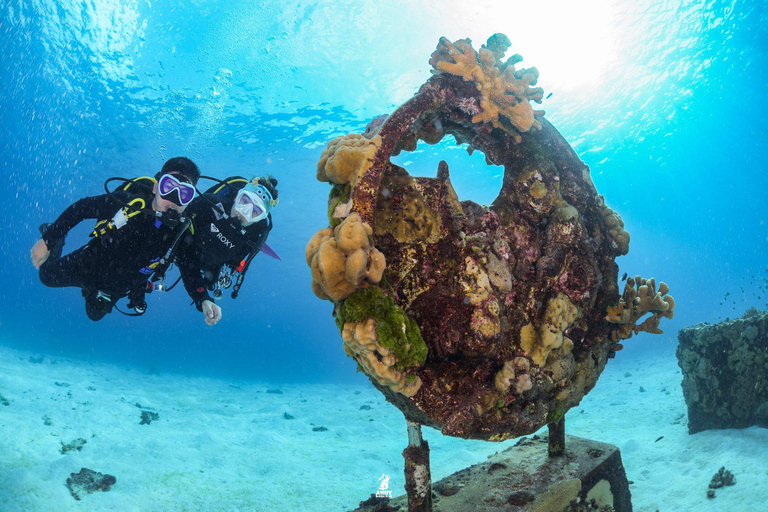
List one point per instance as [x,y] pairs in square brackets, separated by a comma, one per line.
[573,44]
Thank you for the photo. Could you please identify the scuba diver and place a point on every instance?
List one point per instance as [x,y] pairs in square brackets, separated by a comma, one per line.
[230,225]
[138,226]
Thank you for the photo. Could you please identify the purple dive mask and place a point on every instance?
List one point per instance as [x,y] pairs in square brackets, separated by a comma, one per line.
[184,192]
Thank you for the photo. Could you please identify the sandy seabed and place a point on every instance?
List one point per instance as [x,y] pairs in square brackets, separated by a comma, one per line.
[221,445]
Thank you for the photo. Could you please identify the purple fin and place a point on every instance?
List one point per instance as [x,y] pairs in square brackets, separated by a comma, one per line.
[270,252]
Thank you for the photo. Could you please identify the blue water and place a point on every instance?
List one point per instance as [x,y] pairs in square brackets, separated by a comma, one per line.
[665,101]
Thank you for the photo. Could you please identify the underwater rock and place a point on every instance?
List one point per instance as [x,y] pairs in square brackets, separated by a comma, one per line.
[488,321]
[88,481]
[725,372]
[761,416]
[148,417]
[76,444]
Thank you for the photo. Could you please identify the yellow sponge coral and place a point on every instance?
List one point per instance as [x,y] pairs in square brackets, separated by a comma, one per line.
[558,317]
[635,303]
[503,91]
[346,158]
[343,258]
[376,360]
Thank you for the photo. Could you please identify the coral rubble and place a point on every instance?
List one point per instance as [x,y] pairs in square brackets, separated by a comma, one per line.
[722,478]
[87,481]
[484,322]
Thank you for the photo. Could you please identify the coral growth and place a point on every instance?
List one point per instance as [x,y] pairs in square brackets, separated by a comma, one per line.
[635,303]
[394,329]
[343,258]
[402,211]
[558,317]
[477,288]
[345,158]
[515,372]
[616,229]
[503,91]
[376,360]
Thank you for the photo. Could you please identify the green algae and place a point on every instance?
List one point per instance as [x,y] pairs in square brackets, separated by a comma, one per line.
[339,194]
[394,328]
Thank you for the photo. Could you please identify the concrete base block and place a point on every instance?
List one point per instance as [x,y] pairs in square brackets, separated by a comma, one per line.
[524,478]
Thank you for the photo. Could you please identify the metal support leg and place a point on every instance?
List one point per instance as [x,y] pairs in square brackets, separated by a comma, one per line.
[557,438]
[418,479]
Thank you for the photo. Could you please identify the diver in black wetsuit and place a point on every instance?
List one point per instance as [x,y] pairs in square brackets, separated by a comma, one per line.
[136,231]
[228,229]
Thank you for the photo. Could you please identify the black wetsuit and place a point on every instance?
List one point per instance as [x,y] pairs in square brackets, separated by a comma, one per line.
[213,242]
[116,263]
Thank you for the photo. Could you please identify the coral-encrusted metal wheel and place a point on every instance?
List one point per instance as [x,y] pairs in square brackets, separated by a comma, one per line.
[489,322]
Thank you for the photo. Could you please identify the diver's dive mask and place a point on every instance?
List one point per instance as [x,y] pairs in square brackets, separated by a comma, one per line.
[176,189]
[254,202]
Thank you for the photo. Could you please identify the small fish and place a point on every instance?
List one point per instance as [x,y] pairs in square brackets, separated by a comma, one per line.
[624,277]
[548,96]
[659,439]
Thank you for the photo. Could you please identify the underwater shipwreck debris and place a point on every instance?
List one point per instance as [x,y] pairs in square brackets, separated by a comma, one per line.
[87,481]
[482,322]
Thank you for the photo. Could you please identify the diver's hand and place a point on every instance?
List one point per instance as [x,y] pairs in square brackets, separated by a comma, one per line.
[39,253]
[212,312]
